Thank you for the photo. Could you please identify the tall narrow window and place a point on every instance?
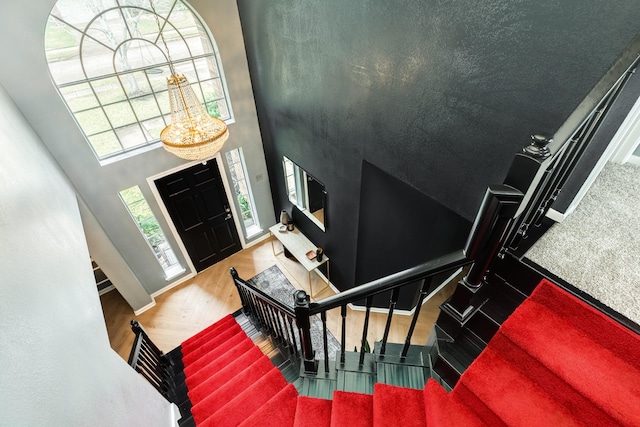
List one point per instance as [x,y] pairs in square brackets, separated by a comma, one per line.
[110,67]
[148,225]
[235,160]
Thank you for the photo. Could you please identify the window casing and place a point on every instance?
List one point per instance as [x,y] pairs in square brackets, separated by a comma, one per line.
[110,66]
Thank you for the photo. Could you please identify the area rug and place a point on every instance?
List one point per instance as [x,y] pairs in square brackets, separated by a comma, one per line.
[273,282]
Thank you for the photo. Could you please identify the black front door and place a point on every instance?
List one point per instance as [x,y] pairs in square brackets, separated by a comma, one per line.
[199,208]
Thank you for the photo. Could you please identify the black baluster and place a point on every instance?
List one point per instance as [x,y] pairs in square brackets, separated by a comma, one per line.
[343,314]
[272,322]
[293,336]
[365,329]
[278,325]
[392,305]
[265,317]
[416,313]
[323,317]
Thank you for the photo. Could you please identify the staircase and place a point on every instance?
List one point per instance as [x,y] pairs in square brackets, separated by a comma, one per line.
[556,361]
[505,351]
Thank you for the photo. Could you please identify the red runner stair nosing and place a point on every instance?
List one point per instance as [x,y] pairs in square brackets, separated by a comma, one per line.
[393,405]
[313,412]
[555,362]
[352,409]
[444,409]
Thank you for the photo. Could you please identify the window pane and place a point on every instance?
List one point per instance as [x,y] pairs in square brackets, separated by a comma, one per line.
[206,68]
[137,54]
[79,97]
[146,107]
[63,54]
[152,128]
[212,90]
[158,78]
[131,136]
[188,69]
[150,229]
[224,110]
[93,121]
[120,114]
[108,90]
[108,29]
[79,14]
[97,59]
[138,83]
[105,144]
[237,170]
[163,102]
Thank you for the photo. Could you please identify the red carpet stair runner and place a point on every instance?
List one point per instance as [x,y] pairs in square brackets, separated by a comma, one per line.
[555,362]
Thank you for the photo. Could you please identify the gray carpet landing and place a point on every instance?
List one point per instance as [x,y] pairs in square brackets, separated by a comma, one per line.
[597,247]
[275,283]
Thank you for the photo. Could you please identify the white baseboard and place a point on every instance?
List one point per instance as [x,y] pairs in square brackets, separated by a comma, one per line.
[408,312]
[555,215]
[173,285]
[139,311]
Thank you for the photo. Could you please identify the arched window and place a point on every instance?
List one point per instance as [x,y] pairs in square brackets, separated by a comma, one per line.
[110,65]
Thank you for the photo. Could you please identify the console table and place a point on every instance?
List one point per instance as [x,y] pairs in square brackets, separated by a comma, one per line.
[299,245]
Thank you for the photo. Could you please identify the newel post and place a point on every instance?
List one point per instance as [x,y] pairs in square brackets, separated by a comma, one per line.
[485,241]
[301,301]
[234,276]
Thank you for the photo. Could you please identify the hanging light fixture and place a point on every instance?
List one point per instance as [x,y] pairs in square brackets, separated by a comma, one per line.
[193,134]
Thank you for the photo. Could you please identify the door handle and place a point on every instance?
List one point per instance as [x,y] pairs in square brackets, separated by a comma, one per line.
[228,217]
[227,209]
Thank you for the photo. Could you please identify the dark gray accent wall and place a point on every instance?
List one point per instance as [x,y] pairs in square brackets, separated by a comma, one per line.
[399,228]
[438,94]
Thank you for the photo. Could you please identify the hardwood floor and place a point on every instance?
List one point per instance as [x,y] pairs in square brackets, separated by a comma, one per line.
[197,302]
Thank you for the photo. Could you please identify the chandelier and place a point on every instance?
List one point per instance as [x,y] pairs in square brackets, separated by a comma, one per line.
[192,134]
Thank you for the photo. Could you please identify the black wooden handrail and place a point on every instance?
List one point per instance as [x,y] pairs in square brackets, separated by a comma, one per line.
[438,265]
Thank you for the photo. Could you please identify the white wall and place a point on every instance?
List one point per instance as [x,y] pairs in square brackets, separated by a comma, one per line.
[56,366]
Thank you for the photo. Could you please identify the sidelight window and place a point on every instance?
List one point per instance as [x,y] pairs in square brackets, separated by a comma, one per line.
[242,190]
[148,225]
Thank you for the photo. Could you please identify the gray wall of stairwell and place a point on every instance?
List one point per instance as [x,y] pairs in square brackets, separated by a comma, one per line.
[26,78]
[57,366]
[439,95]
